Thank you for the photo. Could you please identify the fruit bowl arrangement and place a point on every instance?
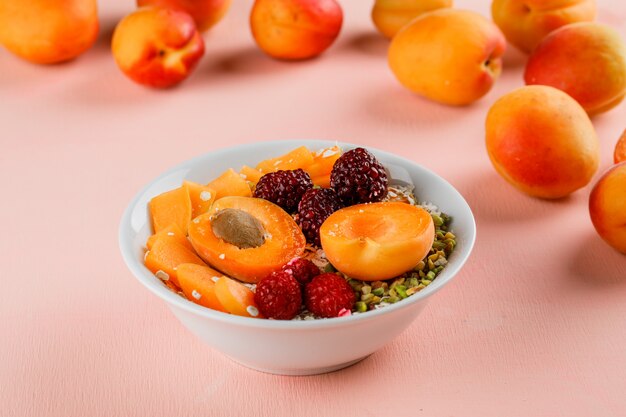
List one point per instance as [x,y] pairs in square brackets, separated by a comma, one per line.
[237,283]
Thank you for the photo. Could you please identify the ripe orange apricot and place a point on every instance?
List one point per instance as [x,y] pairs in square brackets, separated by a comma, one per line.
[171,232]
[201,197]
[298,158]
[236,298]
[250,174]
[172,206]
[282,240]
[377,241]
[198,284]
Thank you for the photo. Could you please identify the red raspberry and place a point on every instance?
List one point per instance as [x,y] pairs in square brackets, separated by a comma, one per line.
[315,207]
[328,294]
[302,270]
[284,188]
[278,296]
[358,177]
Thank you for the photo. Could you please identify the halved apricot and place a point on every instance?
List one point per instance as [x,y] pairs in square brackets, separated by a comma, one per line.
[171,232]
[165,256]
[377,241]
[236,298]
[198,284]
[620,149]
[257,239]
[170,207]
[298,158]
[230,183]
[201,197]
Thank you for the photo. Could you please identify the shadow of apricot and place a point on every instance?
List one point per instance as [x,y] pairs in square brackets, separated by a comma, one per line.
[595,264]
[514,58]
[249,61]
[391,103]
[368,43]
[107,27]
[493,200]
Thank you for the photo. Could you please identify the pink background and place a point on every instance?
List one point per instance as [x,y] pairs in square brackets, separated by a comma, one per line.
[535,325]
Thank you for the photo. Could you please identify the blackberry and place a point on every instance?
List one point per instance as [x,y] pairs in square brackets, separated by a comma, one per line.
[358,177]
[284,188]
[315,207]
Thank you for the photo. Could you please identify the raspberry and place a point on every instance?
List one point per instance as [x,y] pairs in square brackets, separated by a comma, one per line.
[315,207]
[278,296]
[358,177]
[328,294]
[302,270]
[284,188]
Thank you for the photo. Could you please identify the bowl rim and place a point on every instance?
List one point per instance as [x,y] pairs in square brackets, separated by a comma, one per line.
[146,278]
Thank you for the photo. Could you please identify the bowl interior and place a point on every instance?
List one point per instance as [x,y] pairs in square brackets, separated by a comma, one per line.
[429,187]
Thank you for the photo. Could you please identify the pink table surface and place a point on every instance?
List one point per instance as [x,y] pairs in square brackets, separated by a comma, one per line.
[535,324]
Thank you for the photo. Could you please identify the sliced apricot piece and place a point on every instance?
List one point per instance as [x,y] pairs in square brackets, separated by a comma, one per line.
[165,256]
[323,162]
[235,248]
[171,232]
[236,298]
[620,149]
[230,184]
[201,197]
[322,181]
[170,207]
[198,284]
[298,158]
[377,241]
[250,174]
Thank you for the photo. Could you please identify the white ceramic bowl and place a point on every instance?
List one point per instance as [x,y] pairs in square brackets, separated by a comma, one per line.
[294,347]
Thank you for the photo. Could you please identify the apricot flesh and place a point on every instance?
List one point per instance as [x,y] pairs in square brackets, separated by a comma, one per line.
[283,240]
[542,142]
[236,298]
[198,284]
[171,207]
[377,241]
[389,16]
[585,60]
[607,207]
[165,256]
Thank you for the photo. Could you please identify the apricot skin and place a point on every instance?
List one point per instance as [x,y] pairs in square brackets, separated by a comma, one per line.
[586,60]
[526,22]
[295,29]
[466,71]
[607,207]
[157,47]
[542,142]
[389,16]
[48,32]
[206,13]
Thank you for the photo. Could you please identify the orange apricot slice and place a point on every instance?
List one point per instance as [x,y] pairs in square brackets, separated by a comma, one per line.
[250,174]
[297,158]
[171,232]
[166,255]
[620,149]
[170,207]
[198,284]
[322,181]
[377,241]
[201,197]
[236,298]
[323,162]
[276,242]
[230,183]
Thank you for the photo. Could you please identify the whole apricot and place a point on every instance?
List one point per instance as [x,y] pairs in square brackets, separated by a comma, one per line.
[295,29]
[586,60]
[450,56]
[206,13]
[542,142]
[157,47]
[389,16]
[48,32]
[607,206]
[526,22]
